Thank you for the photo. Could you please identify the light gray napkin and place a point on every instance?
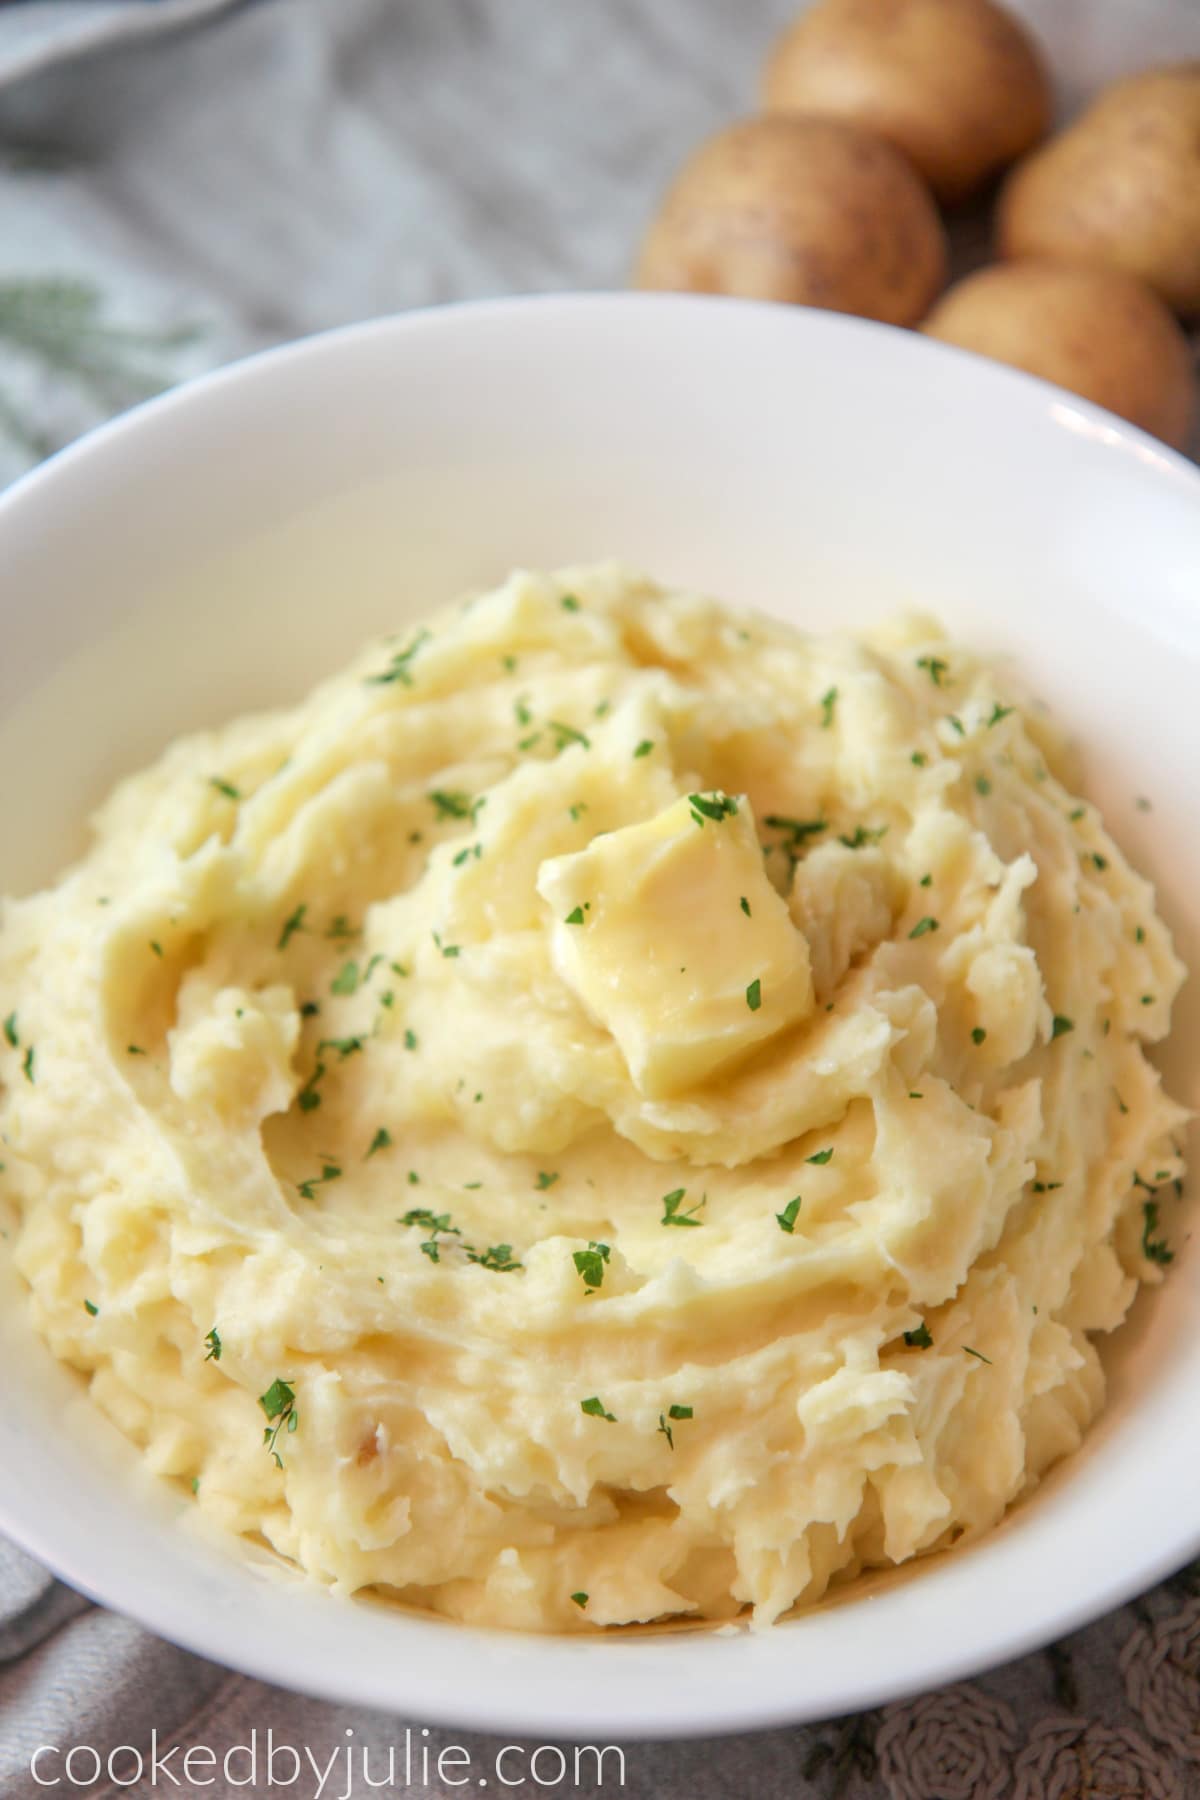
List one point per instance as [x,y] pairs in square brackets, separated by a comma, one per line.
[298,164]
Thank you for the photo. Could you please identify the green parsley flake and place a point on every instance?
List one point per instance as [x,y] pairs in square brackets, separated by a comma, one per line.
[398,669]
[998,712]
[569,603]
[923,926]
[346,979]
[292,924]
[574,917]
[590,1263]
[27,1068]
[796,830]
[224,787]
[546,1179]
[745,905]
[821,1157]
[754,995]
[786,1220]
[595,1409]
[828,702]
[498,1258]
[978,1035]
[213,1341]
[918,1339]
[936,667]
[1060,1026]
[308,1189]
[676,1413]
[956,724]
[861,835]
[410,1038]
[978,1354]
[644,748]
[156,947]
[10,1030]
[672,1203]
[983,785]
[1155,1250]
[918,759]
[567,734]
[580,1599]
[381,1141]
[90,1308]
[522,712]
[711,806]
[446,949]
[450,803]
[279,1404]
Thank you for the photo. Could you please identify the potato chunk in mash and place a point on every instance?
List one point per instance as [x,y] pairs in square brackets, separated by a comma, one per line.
[611,1109]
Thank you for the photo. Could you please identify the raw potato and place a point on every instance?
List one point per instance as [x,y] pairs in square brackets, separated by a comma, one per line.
[1121,188]
[1095,331]
[957,85]
[804,210]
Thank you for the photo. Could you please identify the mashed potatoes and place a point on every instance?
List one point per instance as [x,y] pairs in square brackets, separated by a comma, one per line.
[611,1109]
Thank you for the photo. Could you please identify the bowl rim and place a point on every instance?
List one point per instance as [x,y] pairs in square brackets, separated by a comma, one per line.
[290,1665]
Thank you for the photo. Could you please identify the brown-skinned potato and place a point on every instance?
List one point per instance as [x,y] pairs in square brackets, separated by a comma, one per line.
[1120,188]
[809,211]
[1099,332]
[957,85]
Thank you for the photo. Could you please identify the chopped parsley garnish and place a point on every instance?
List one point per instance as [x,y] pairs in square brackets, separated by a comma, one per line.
[450,803]
[10,1030]
[90,1308]
[644,748]
[398,669]
[437,1224]
[130,1050]
[574,917]
[754,995]
[676,1413]
[1046,1187]
[925,881]
[920,1338]
[27,1068]
[546,1179]
[224,787]
[978,1035]
[499,1257]
[977,1353]
[381,1141]
[590,1263]
[936,667]
[1139,936]
[862,835]
[923,926]
[745,905]
[569,603]
[156,947]
[527,743]
[711,806]
[446,949]
[1060,1026]
[213,1341]
[346,979]
[821,1156]
[580,1599]
[918,759]
[796,829]
[672,1215]
[340,928]
[345,1046]
[595,1409]
[983,785]
[410,1038]
[998,712]
[1078,813]
[522,712]
[475,850]
[308,1189]
[567,734]
[509,663]
[1101,862]
[292,924]
[786,1220]
[308,1098]
[1155,1250]
[279,1404]
[828,702]
[957,724]
[577,811]
[1147,999]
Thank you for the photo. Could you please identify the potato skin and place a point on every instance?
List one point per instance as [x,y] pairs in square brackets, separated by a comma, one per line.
[1096,331]
[1120,188]
[957,85]
[809,211]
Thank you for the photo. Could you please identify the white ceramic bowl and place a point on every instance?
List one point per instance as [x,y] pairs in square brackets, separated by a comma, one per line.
[225,545]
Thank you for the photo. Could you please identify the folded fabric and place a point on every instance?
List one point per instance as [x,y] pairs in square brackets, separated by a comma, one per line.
[40,32]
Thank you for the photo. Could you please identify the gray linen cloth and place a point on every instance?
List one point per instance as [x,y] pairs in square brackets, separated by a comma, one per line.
[185,197]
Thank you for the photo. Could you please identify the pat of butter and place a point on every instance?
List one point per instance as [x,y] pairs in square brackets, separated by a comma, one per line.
[676,942]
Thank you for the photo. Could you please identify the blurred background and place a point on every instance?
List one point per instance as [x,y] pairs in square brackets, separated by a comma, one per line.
[184,181]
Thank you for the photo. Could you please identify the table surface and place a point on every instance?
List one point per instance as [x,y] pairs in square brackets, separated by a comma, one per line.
[268,170]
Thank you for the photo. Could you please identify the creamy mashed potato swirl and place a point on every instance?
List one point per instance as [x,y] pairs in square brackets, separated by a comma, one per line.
[611,1109]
